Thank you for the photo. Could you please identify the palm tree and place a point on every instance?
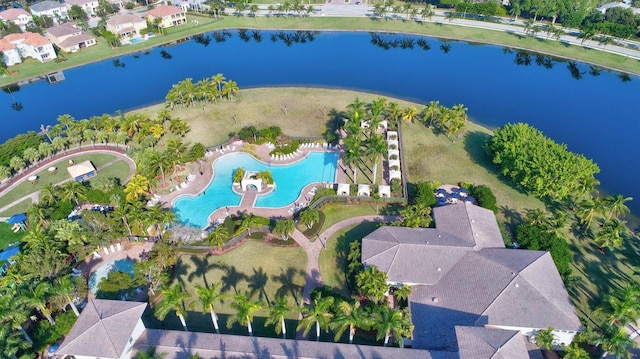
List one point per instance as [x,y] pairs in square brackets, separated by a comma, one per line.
[150,353]
[574,351]
[36,297]
[372,283]
[623,307]
[402,293]
[65,287]
[248,221]
[5,172]
[65,120]
[245,309]
[544,338]
[309,216]
[73,191]
[209,296]
[218,236]
[230,88]
[614,206]
[351,157]
[611,233]
[137,186]
[277,312]
[31,154]
[14,312]
[46,149]
[615,340]
[59,143]
[588,209]
[284,228]
[409,114]
[319,314]
[48,195]
[349,316]
[17,163]
[389,322]
[375,147]
[173,300]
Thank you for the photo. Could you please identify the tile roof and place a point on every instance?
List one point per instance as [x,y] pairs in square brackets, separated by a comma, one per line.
[103,329]
[46,5]
[75,40]
[29,38]
[122,19]
[179,344]
[474,224]
[13,13]
[63,30]
[164,10]
[478,342]
[5,45]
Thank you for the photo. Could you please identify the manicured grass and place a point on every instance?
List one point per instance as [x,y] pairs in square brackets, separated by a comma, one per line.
[335,213]
[333,261]
[119,169]
[7,236]
[32,68]
[21,207]
[256,268]
[44,177]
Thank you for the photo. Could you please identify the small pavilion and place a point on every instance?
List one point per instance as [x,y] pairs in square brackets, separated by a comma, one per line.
[82,171]
[364,190]
[251,180]
[384,191]
[343,189]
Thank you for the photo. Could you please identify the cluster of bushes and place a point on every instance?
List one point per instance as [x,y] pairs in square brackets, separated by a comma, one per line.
[238,175]
[537,237]
[354,263]
[424,194]
[14,147]
[286,147]
[485,197]
[103,190]
[252,135]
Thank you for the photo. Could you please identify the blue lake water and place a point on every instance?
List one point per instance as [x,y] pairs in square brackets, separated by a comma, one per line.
[289,181]
[594,115]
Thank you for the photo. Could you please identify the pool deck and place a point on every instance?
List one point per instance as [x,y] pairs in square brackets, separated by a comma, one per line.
[201,181]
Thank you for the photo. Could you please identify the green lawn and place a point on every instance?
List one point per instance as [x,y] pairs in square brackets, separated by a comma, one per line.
[21,207]
[119,169]
[7,236]
[44,177]
[333,259]
[335,213]
[32,68]
[256,268]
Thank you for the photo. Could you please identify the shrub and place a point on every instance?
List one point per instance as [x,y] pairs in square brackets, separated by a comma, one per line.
[97,196]
[396,187]
[485,197]
[315,229]
[322,192]
[538,238]
[238,175]
[425,194]
[45,334]
[266,177]
[230,225]
[466,185]
[61,210]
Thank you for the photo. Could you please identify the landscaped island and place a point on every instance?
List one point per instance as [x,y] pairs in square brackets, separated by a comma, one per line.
[251,270]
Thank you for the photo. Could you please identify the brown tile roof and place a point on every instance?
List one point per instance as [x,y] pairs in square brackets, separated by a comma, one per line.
[122,19]
[12,14]
[6,45]
[164,10]
[29,38]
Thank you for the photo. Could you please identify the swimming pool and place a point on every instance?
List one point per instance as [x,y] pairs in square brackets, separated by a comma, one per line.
[121,265]
[289,179]
[135,40]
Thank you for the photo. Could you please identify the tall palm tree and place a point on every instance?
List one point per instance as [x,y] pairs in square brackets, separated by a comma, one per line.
[230,88]
[375,147]
[173,300]
[65,120]
[14,312]
[351,157]
[218,236]
[623,306]
[615,340]
[277,313]
[248,221]
[73,191]
[65,287]
[349,316]
[284,228]
[319,314]
[372,283]
[611,233]
[137,186]
[245,309]
[208,297]
[309,216]
[48,195]
[409,114]
[588,209]
[389,322]
[614,206]
[36,297]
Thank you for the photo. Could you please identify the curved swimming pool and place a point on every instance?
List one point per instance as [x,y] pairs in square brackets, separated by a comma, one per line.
[290,179]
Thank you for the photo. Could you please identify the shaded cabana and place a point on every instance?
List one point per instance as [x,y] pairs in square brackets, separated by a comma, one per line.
[394,163]
[343,189]
[384,191]
[392,135]
[82,171]
[394,175]
[364,190]
[19,218]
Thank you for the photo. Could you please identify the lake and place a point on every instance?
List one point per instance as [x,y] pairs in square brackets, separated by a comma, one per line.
[592,110]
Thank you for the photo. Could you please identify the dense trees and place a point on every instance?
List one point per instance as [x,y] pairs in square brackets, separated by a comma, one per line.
[538,164]
[186,93]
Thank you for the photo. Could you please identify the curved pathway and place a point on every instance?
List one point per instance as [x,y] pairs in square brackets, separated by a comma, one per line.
[34,196]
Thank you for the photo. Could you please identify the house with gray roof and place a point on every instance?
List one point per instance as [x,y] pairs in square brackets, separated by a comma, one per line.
[53,9]
[106,329]
[461,275]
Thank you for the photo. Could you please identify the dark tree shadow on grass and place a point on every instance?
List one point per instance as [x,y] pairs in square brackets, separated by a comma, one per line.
[202,268]
[257,282]
[181,270]
[286,278]
[231,278]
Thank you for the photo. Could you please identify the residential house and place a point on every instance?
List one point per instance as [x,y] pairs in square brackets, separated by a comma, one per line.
[461,275]
[624,5]
[89,6]
[19,17]
[126,25]
[69,38]
[105,329]
[53,9]
[169,15]
[195,5]
[18,46]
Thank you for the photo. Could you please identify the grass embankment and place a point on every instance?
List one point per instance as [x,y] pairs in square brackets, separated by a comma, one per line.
[255,268]
[45,177]
[428,157]
[32,68]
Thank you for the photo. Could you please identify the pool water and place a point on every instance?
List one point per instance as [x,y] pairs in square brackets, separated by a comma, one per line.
[289,179]
[121,265]
[135,40]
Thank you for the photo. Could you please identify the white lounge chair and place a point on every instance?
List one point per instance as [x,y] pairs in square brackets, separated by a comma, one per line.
[106,251]
[76,270]
[119,246]
[96,255]
[112,248]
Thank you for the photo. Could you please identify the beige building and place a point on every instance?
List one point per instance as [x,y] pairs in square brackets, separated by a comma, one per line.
[126,25]
[170,15]
[70,39]
[89,6]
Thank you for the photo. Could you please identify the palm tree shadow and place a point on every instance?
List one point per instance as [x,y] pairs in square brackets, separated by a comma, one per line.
[202,268]
[287,285]
[257,282]
[511,215]
[231,278]
[181,270]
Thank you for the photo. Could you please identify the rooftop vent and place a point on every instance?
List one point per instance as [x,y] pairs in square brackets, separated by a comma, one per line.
[439,269]
[434,299]
[517,285]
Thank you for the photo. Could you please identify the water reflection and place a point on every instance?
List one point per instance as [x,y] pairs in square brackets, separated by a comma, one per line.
[573,68]
[165,55]
[118,63]
[221,35]
[202,39]
[393,41]
[297,37]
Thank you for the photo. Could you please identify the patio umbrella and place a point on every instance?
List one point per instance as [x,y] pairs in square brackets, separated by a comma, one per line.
[17,218]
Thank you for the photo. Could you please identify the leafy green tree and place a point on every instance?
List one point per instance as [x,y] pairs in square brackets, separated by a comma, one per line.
[77,13]
[218,236]
[173,300]
[545,338]
[245,309]
[319,314]
[388,322]
[309,216]
[415,216]
[36,297]
[277,312]
[208,297]
[349,316]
